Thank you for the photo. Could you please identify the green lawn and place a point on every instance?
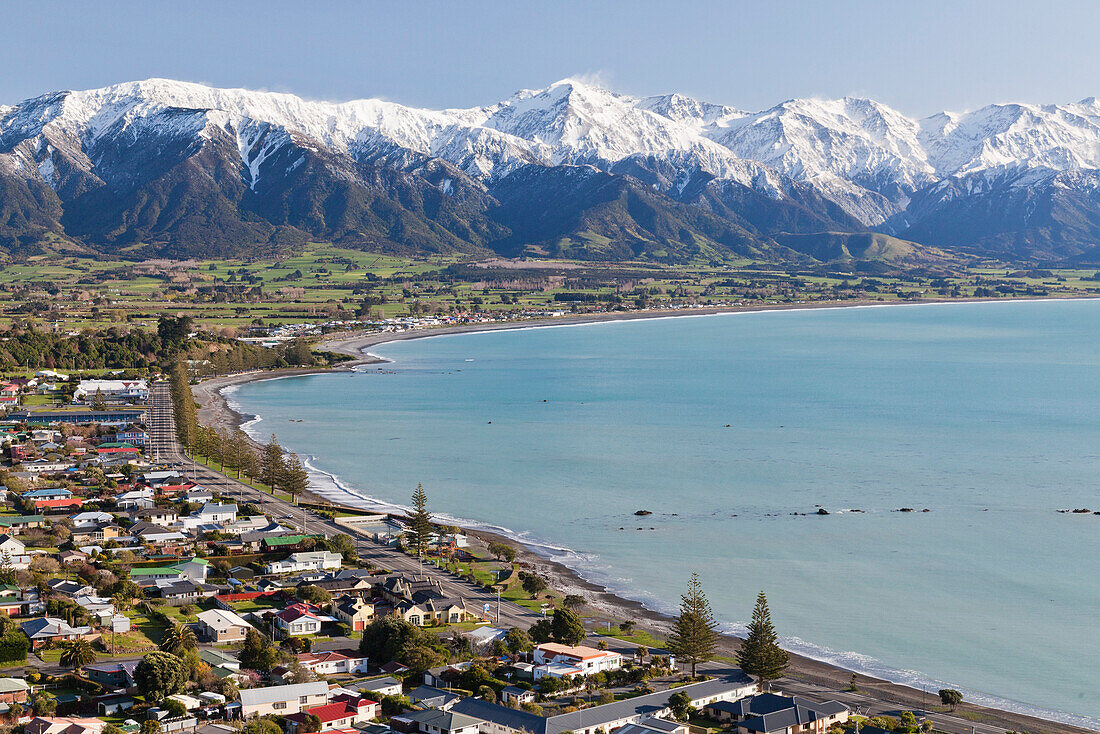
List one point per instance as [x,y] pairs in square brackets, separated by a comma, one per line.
[637,636]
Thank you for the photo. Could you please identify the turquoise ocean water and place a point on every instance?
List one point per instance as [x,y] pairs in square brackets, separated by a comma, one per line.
[724,426]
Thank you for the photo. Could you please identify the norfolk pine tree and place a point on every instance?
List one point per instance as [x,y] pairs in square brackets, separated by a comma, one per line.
[694,635]
[760,654]
[420,521]
[271,463]
[294,479]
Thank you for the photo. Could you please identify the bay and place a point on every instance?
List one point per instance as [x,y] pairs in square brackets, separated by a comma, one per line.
[725,426]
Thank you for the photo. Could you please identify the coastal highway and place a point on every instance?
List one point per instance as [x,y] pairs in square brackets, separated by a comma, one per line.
[164,447]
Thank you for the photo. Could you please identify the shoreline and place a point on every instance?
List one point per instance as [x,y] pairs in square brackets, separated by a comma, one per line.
[607,605]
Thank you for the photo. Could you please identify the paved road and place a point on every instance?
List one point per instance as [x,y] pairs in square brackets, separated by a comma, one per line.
[165,447]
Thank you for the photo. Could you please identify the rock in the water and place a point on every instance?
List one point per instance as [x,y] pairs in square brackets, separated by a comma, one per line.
[822,511]
[642,513]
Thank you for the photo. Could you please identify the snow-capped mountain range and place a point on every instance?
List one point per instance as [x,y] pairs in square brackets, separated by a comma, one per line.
[570,169]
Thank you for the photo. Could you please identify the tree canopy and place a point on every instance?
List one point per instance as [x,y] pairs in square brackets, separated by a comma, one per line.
[160,674]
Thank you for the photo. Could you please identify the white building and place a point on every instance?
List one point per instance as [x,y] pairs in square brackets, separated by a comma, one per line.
[558,661]
[212,513]
[282,700]
[308,561]
[113,391]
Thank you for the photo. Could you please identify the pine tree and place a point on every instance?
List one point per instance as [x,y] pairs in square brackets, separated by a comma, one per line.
[695,633]
[271,463]
[760,654]
[294,478]
[420,521]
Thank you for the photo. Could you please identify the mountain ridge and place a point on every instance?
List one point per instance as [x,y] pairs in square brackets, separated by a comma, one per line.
[167,166]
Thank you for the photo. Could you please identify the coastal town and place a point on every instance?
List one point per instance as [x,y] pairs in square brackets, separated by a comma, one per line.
[146,592]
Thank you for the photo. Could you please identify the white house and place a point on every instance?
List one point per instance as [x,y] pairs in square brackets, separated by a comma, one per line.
[212,513]
[307,561]
[282,700]
[557,661]
[11,546]
[333,662]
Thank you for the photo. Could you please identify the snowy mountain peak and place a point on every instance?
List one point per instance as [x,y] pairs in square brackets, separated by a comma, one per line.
[853,156]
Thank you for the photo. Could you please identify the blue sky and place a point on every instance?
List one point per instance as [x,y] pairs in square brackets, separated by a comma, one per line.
[920,56]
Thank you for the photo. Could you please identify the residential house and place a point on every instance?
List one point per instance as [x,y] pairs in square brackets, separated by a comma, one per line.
[221,625]
[433,698]
[515,696]
[333,662]
[48,493]
[91,533]
[353,611]
[52,507]
[149,575]
[385,686]
[45,630]
[482,637]
[198,494]
[186,592]
[217,658]
[498,719]
[22,522]
[195,569]
[300,619]
[771,713]
[63,725]
[444,611]
[309,561]
[147,532]
[434,721]
[11,546]
[558,661]
[162,516]
[70,557]
[49,466]
[83,518]
[135,499]
[653,726]
[341,587]
[13,690]
[211,513]
[343,712]
[112,675]
[282,700]
[133,436]
[66,587]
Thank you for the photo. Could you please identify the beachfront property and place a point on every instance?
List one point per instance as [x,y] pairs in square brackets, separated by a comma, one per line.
[283,700]
[497,719]
[308,561]
[558,661]
[771,713]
